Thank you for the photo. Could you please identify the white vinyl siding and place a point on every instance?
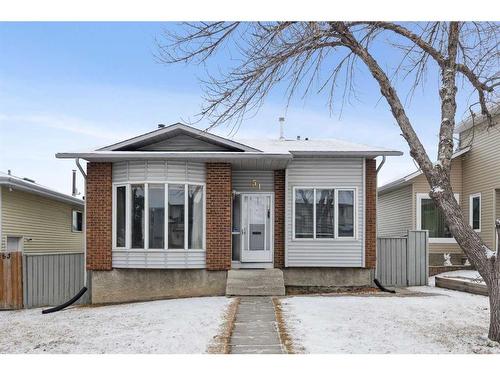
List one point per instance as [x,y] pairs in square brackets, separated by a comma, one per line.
[242,180]
[161,171]
[394,212]
[340,173]
[183,142]
[154,173]
[44,224]
[481,174]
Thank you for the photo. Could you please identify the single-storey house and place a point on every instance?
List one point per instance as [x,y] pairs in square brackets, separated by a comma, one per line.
[405,205]
[43,229]
[170,212]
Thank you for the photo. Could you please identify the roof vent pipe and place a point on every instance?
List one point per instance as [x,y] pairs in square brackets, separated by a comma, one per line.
[73,183]
[282,124]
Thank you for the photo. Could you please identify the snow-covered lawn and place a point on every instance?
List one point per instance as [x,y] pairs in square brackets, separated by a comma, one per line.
[452,322]
[172,326]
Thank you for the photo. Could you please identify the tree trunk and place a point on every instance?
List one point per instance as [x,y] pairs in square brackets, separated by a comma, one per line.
[494,333]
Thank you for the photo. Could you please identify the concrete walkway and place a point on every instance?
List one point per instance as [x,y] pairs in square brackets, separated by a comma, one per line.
[255,328]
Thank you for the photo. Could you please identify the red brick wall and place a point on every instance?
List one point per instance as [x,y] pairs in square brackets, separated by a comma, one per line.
[279,218]
[371,213]
[99,220]
[218,216]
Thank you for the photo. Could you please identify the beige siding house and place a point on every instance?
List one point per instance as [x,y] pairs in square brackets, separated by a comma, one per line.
[35,219]
[404,204]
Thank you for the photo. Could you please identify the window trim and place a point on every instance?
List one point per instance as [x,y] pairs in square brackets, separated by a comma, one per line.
[336,189]
[128,223]
[418,208]
[471,211]
[72,222]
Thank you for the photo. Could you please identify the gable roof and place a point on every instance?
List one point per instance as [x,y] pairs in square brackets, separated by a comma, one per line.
[407,180]
[161,134]
[34,188]
[148,146]
[476,119]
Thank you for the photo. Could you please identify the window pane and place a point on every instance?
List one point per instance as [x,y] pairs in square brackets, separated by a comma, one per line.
[138,216]
[176,216]
[476,213]
[346,213]
[120,216]
[304,211]
[433,220]
[325,213]
[195,217]
[156,198]
[77,221]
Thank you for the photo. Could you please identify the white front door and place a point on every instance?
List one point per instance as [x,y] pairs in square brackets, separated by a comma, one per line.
[256,227]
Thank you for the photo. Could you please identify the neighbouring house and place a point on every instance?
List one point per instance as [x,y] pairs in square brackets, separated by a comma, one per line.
[170,212]
[475,177]
[40,226]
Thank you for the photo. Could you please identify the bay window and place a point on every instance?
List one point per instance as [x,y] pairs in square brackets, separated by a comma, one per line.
[158,216]
[156,199]
[195,217]
[430,218]
[176,216]
[120,215]
[137,205]
[323,213]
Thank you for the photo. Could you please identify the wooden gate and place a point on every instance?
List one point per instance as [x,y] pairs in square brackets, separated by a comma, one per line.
[11,280]
[403,261]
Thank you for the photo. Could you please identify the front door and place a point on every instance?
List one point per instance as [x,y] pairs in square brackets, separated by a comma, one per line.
[256,227]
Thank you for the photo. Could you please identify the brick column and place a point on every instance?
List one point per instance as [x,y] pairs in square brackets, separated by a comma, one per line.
[371,213]
[279,218]
[99,220]
[218,216]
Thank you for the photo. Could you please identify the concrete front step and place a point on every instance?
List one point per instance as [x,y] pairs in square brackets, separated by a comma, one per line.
[267,282]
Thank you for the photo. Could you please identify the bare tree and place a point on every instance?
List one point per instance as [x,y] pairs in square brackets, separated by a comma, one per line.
[325,55]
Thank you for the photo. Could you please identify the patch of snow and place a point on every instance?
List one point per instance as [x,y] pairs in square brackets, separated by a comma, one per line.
[437,189]
[449,322]
[170,326]
[470,274]
[489,253]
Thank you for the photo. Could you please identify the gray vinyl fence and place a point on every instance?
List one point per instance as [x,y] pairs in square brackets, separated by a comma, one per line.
[403,261]
[51,279]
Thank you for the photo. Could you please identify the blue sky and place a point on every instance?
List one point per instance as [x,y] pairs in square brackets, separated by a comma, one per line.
[76,86]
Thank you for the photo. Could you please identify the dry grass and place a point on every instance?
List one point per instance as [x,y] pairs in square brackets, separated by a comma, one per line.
[220,342]
[285,338]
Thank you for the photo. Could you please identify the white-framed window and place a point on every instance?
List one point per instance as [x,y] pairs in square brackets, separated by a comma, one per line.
[76,221]
[475,211]
[324,213]
[14,243]
[159,216]
[430,218]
